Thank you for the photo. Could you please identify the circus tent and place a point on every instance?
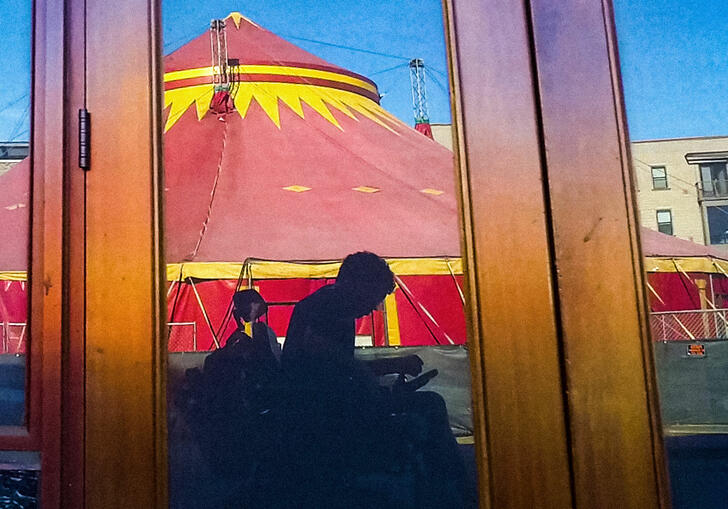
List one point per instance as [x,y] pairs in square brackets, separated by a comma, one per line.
[280,164]
[679,271]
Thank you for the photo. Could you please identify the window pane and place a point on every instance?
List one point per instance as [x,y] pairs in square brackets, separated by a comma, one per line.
[14,208]
[296,135]
[664,216]
[718,224]
[683,126]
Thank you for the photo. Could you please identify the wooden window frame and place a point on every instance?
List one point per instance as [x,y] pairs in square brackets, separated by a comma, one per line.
[42,429]
[554,427]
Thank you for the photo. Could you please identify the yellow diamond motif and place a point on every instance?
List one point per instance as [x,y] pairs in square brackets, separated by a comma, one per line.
[297,189]
[435,192]
[365,189]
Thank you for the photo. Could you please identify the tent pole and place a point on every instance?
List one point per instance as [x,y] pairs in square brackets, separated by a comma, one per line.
[457,285]
[204,313]
[649,287]
[406,293]
[710,303]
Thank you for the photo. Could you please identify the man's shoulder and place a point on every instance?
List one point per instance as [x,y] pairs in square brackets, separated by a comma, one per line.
[327,296]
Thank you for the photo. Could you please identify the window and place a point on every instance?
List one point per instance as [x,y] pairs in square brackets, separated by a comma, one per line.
[717,224]
[714,178]
[346,124]
[664,221]
[659,177]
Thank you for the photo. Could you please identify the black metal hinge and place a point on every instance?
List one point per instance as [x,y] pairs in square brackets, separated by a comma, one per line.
[84,139]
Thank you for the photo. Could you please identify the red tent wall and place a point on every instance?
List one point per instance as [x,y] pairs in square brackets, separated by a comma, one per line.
[676,292]
[430,313]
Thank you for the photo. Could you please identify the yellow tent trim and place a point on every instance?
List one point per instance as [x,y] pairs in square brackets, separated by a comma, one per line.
[400,266]
[321,99]
[273,70]
[14,275]
[706,265]
[260,269]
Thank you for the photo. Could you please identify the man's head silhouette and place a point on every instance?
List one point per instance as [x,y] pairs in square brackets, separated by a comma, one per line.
[366,280]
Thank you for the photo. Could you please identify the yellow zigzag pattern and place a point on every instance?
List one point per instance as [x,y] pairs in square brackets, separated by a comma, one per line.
[270,95]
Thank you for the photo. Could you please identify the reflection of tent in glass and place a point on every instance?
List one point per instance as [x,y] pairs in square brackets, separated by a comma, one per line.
[283,157]
[677,269]
[14,258]
[687,287]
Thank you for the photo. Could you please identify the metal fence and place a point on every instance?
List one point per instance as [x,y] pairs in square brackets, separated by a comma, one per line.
[182,336]
[689,325]
[13,338]
[665,326]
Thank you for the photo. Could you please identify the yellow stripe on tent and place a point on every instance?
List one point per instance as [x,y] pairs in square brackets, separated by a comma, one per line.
[14,275]
[400,266]
[260,269]
[275,70]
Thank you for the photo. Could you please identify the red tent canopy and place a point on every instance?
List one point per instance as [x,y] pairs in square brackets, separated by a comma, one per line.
[14,217]
[305,166]
[659,244]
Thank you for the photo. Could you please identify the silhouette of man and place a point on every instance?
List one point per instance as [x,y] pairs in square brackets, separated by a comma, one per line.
[321,331]
[340,421]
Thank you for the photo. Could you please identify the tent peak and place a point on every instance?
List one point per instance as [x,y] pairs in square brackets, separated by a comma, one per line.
[237,17]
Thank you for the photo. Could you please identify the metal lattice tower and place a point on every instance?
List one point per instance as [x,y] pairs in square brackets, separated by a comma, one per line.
[218,49]
[419,91]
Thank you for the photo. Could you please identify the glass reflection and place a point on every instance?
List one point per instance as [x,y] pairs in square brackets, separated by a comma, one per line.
[14,207]
[679,154]
[302,374]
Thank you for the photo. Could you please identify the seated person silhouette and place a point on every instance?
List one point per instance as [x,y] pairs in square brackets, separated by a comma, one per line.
[237,385]
[341,422]
[256,356]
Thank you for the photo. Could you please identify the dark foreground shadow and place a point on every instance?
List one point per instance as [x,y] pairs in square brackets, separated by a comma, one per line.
[310,455]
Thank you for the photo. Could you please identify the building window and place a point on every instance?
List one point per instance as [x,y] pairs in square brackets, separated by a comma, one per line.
[664,221]
[714,179]
[718,224]
[659,177]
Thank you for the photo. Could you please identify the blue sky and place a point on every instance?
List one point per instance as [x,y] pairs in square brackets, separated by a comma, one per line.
[15,77]
[404,29]
[674,54]
[674,57]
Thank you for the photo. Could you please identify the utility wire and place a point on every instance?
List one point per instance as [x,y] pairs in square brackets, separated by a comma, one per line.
[398,66]
[437,82]
[13,102]
[19,124]
[192,33]
[691,186]
[671,177]
[21,133]
[445,76]
[342,46]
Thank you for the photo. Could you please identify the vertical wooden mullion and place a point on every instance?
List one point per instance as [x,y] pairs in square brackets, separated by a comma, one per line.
[124,459]
[47,283]
[73,422]
[518,400]
[614,432]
